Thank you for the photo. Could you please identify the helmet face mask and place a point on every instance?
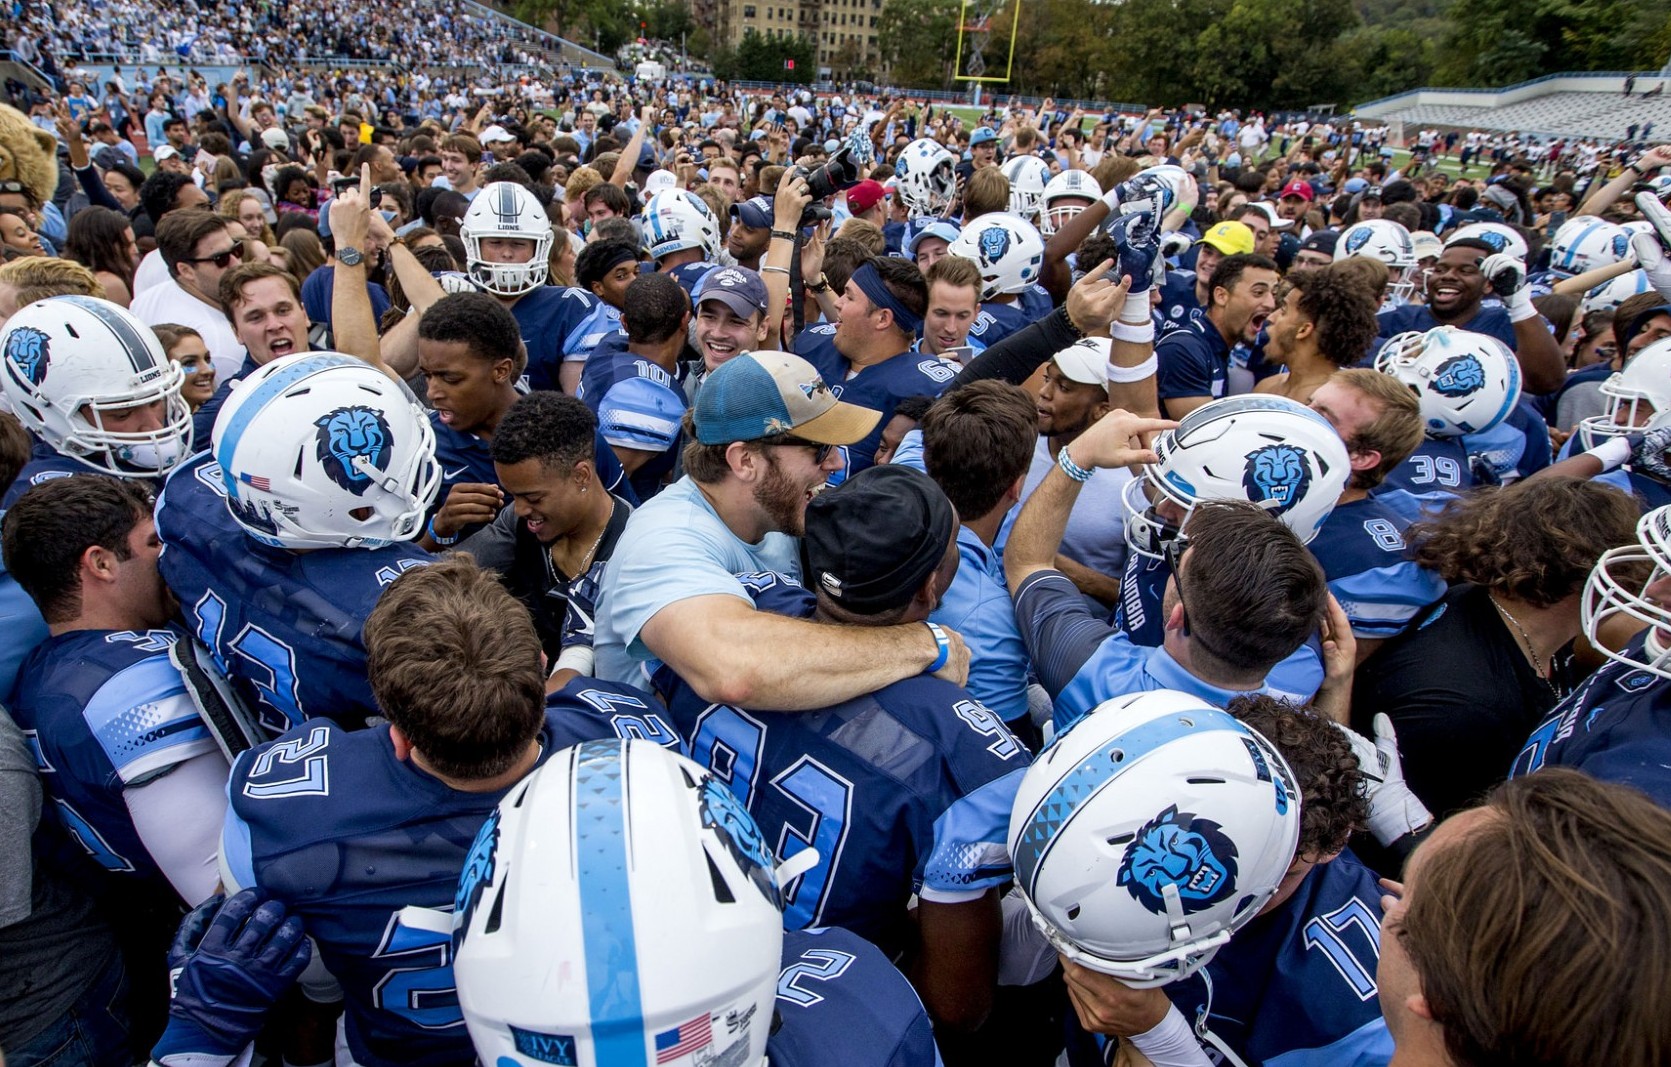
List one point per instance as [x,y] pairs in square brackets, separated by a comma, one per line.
[507,211]
[1149,832]
[927,178]
[1390,243]
[1066,195]
[71,363]
[1619,584]
[1028,177]
[675,220]
[1637,397]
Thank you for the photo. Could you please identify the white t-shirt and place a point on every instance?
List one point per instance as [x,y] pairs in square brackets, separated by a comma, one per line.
[151,271]
[167,302]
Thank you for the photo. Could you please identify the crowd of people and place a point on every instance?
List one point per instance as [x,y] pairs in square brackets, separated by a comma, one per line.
[611,572]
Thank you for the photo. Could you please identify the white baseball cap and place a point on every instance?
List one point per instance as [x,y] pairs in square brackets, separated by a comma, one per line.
[660,181]
[1086,360]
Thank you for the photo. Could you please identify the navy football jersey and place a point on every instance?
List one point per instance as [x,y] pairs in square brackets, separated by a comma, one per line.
[1616,727]
[1036,302]
[878,387]
[1436,473]
[1650,492]
[1362,550]
[46,463]
[835,986]
[464,458]
[286,627]
[558,322]
[905,790]
[104,711]
[1491,321]
[1516,448]
[1194,360]
[1296,986]
[997,321]
[1178,304]
[330,822]
[639,406]
[690,275]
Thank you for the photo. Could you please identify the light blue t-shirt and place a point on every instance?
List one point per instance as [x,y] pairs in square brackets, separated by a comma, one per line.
[978,607]
[675,547]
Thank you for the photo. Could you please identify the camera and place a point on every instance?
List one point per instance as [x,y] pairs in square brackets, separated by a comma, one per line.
[838,173]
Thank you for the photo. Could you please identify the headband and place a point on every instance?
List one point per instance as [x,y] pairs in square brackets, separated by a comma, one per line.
[869,281]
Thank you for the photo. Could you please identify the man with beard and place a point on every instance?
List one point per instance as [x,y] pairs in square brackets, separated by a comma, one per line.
[1195,359]
[763,438]
[550,544]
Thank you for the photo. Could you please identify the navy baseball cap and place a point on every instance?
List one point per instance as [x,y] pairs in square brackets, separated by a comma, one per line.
[763,394]
[755,212]
[738,288]
[872,541]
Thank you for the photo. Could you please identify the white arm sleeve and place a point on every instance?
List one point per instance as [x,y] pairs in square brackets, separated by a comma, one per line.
[178,816]
[1172,1044]
[1024,956]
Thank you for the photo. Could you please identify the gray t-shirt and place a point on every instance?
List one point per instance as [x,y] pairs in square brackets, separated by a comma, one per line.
[53,946]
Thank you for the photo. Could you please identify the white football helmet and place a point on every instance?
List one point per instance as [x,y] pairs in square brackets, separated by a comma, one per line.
[1067,186]
[619,907]
[1586,243]
[1609,295]
[675,220]
[1007,249]
[1267,450]
[1619,586]
[1635,396]
[321,450]
[1500,236]
[71,361]
[506,209]
[1390,243]
[925,178]
[1028,176]
[1466,382]
[1150,832]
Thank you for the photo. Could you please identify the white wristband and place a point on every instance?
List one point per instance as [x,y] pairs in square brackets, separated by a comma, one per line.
[1126,375]
[1136,308]
[577,658]
[1137,333]
[1171,1043]
[1521,310]
[1612,453]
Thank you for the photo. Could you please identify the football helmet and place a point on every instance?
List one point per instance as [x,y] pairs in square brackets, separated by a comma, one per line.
[1466,382]
[321,450]
[1586,243]
[1609,295]
[1390,243]
[1500,236]
[1007,249]
[1068,185]
[506,209]
[1267,450]
[1635,395]
[1618,585]
[569,947]
[1028,176]
[926,177]
[1149,833]
[675,220]
[72,361]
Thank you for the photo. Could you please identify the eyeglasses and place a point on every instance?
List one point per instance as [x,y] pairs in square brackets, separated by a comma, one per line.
[222,259]
[1174,552]
[820,452]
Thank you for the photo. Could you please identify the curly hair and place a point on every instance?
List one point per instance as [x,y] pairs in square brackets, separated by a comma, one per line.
[1332,803]
[1560,527]
[1342,310]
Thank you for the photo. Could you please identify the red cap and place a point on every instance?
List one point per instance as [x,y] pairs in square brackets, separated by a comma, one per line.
[1300,189]
[865,195]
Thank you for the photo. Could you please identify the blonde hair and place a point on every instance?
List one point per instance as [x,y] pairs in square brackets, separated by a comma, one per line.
[38,277]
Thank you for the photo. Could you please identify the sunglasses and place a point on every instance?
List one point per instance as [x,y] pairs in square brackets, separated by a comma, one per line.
[222,259]
[1174,553]
[820,452]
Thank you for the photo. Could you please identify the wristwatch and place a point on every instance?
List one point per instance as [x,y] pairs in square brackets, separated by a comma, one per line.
[350,257]
[822,285]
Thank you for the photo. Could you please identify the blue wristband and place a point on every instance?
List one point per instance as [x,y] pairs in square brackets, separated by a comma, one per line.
[943,643]
[438,539]
[1070,468]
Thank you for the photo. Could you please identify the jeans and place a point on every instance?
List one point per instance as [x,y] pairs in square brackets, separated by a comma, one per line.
[94,1032]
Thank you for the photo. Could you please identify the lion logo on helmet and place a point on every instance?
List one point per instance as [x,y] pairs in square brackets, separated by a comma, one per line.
[1194,856]
[348,435]
[1459,376]
[478,872]
[994,243]
[1278,473]
[29,351]
[722,811]
[1359,237]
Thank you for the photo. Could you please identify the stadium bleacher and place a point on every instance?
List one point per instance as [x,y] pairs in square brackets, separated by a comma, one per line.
[1560,105]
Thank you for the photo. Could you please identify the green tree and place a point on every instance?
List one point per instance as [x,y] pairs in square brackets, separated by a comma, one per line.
[761,58]
[918,40]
